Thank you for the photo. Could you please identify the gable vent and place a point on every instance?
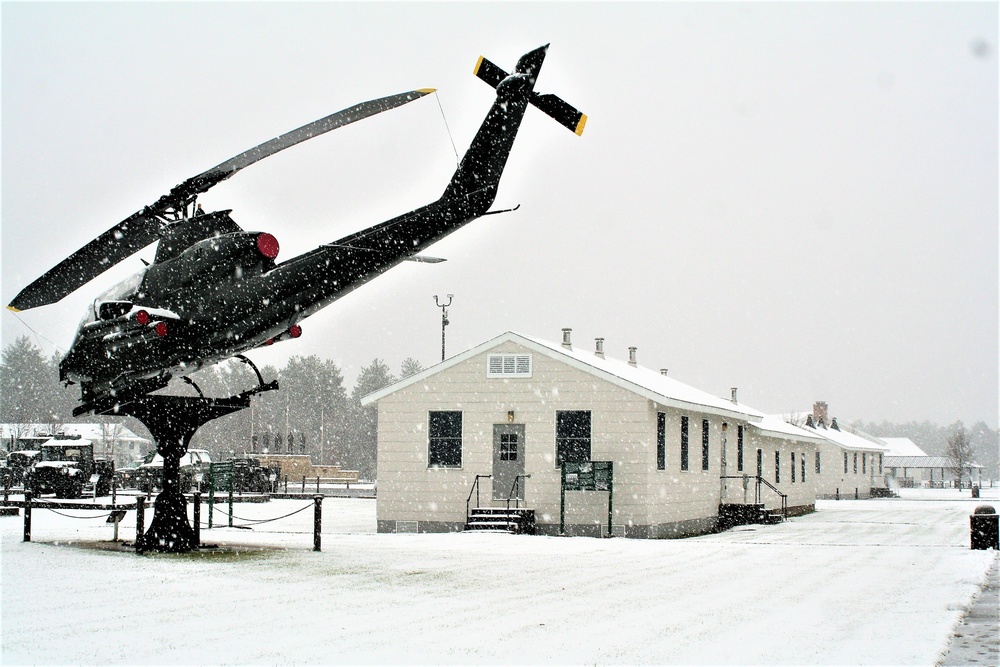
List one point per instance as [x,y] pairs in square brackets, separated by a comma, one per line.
[508,365]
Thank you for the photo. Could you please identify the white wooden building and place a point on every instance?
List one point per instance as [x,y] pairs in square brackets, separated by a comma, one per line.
[847,465]
[496,422]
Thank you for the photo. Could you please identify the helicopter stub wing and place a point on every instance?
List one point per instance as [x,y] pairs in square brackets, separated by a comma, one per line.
[148,225]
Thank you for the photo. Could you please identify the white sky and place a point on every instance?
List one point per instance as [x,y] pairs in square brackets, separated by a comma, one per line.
[799,200]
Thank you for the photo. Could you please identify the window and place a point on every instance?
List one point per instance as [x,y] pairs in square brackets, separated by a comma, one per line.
[803,459]
[880,464]
[704,444]
[864,464]
[661,441]
[777,467]
[855,463]
[845,463]
[739,448]
[508,446]
[793,467]
[817,463]
[508,365]
[445,435]
[760,463]
[684,443]
[572,436]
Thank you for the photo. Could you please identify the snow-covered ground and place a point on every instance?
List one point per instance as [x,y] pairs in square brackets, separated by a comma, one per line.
[858,582]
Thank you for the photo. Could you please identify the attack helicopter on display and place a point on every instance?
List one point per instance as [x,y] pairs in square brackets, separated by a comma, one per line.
[215,291]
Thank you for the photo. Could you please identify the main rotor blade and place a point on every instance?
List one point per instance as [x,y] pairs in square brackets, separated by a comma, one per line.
[127,237]
[205,180]
[144,227]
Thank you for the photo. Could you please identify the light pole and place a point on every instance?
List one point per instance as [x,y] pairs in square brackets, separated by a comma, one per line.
[444,318]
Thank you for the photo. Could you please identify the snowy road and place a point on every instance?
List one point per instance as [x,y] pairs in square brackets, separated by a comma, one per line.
[858,582]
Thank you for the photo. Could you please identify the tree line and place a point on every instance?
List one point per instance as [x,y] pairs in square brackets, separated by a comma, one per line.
[312,413]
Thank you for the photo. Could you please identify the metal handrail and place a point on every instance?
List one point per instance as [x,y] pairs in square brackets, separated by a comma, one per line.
[757,495]
[511,496]
[474,489]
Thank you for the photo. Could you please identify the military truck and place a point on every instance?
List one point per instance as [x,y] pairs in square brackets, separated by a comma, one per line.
[65,466]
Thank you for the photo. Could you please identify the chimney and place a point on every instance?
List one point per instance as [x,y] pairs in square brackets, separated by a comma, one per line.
[631,356]
[663,372]
[734,395]
[599,347]
[820,413]
[834,425]
[566,341]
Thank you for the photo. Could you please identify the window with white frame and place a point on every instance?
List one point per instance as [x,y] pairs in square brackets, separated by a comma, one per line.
[508,365]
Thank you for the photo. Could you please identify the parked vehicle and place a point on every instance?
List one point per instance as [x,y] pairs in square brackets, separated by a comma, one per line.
[66,466]
[19,463]
[248,476]
[193,467]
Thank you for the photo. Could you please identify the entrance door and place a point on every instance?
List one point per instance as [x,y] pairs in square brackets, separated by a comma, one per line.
[508,460]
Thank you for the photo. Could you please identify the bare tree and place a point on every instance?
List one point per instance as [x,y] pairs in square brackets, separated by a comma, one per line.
[959,453]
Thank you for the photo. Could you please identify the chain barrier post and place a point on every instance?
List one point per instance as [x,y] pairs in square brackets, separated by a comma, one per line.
[197,518]
[230,501]
[27,516]
[211,493]
[303,483]
[317,521]
[140,521]
[317,483]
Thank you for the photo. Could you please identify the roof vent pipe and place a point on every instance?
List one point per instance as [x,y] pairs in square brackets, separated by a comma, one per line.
[631,356]
[809,421]
[734,395]
[599,347]
[834,425]
[566,340]
[663,372]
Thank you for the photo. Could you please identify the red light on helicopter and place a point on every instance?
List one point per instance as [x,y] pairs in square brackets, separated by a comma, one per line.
[267,245]
[142,317]
[160,329]
[295,331]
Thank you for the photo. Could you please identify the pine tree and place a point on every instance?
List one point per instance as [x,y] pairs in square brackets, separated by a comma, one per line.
[363,431]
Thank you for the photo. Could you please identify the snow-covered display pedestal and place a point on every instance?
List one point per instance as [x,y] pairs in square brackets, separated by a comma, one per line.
[173,421]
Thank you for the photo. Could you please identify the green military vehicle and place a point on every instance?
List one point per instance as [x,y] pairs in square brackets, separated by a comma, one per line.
[66,466]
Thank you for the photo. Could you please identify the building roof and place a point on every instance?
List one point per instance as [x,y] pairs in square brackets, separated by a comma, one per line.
[776,426]
[89,431]
[921,462]
[902,447]
[847,440]
[646,382]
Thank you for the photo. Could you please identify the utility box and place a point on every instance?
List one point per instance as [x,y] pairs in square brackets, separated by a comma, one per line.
[984,525]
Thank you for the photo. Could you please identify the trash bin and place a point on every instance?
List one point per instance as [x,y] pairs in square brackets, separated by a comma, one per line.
[984,525]
[975,491]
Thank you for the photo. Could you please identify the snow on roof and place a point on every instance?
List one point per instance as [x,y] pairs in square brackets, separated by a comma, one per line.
[90,431]
[847,440]
[776,426]
[902,447]
[922,461]
[646,382]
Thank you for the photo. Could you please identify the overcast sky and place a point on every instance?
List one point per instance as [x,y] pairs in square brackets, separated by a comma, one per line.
[799,200]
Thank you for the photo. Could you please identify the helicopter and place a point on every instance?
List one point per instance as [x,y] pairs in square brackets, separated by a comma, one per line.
[214,290]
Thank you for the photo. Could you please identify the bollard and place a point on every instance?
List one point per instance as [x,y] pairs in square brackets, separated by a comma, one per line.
[317,483]
[286,483]
[856,496]
[197,518]
[140,521]
[303,483]
[838,493]
[317,521]
[27,516]
[230,504]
